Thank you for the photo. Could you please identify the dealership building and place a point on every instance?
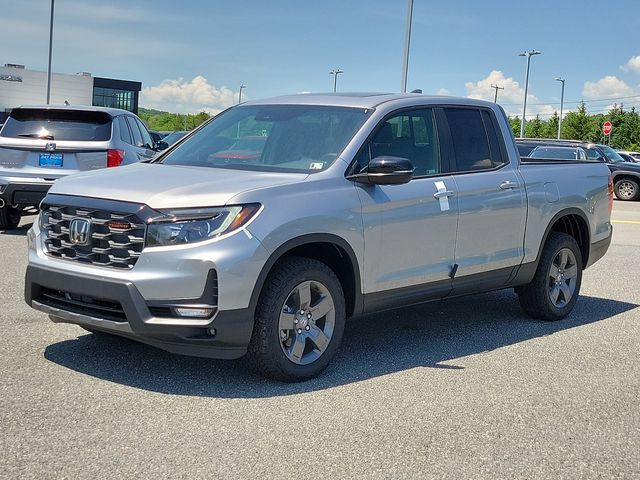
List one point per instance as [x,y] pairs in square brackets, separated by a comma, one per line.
[21,86]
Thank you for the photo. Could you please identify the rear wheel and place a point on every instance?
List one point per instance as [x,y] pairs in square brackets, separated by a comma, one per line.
[626,189]
[9,217]
[299,321]
[555,287]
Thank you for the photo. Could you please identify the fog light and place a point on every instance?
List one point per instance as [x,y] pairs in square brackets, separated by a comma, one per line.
[193,312]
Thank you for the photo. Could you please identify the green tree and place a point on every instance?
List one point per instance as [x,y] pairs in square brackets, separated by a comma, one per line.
[534,128]
[579,125]
[551,126]
[515,125]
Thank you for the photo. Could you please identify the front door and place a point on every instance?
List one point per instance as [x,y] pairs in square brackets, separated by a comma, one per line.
[410,229]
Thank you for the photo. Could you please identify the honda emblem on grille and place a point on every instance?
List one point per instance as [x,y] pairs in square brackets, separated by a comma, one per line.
[79,231]
[50,147]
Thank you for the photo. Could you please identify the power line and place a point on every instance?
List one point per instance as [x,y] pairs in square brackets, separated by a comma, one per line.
[577,101]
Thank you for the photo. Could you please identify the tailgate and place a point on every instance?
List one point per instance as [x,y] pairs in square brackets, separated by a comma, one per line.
[49,163]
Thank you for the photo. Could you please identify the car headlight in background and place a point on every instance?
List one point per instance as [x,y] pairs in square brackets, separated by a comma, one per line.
[183,226]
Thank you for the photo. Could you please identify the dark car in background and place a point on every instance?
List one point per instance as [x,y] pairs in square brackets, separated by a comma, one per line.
[626,175]
[173,137]
[558,153]
[40,144]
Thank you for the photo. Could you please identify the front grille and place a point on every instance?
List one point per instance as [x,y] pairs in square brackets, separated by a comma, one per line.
[82,304]
[116,239]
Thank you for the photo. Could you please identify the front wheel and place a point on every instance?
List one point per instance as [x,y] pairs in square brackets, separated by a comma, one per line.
[626,189]
[9,217]
[555,287]
[299,321]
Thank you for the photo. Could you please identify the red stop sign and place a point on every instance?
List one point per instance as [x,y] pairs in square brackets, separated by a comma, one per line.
[606,128]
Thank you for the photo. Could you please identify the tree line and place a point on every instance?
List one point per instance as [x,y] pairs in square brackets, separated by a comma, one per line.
[579,125]
[166,121]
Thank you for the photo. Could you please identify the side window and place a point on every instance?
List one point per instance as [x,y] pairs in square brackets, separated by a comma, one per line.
[146,138]
[494,143]
[125,134]
[469,138]
[409,135]
[594,154]
[137,137]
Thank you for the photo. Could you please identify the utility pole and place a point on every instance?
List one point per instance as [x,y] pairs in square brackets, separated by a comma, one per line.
[495,98]
[528,54]
[407,44]
[50,54]
[335,74]
[561,80]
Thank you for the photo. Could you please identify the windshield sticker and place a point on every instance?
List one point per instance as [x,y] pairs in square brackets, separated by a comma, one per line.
[316,166]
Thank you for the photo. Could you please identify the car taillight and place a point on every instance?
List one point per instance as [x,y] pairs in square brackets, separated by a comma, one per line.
[114,157]
[610,194]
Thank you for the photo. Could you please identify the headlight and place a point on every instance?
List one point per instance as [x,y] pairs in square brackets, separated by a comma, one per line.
[178,227]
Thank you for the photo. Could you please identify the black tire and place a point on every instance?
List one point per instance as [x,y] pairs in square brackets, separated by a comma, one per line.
[627,189]
[266,353]
[536,297]
[9,217]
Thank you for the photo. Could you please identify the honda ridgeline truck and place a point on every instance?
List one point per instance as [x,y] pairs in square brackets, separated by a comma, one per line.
[351,204]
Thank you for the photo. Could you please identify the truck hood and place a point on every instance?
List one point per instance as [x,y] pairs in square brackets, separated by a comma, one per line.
[169,186]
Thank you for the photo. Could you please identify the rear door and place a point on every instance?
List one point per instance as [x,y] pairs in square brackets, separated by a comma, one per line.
[491,200]
[142,142]
[51,143]
[410,229]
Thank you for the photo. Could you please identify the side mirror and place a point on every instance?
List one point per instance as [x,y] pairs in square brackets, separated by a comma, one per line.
[161,145]
[386,171]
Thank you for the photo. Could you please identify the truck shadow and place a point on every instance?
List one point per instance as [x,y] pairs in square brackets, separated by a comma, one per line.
[422,336]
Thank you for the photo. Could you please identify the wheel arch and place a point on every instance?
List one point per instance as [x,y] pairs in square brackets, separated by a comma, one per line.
[573,222]
[333,251]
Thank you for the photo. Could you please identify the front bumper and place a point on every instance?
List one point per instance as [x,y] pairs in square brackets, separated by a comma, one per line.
[116,306]
[23,193]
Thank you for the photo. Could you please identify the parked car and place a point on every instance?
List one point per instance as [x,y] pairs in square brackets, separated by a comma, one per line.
[246,148]
[41,144]
[628,158]
[173,137]
[626,175]
[558,153]
[631,153]
[157,136]
[357,203]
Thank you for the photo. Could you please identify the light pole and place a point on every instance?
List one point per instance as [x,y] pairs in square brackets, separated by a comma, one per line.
[50,53]
[528,54]
[561,80]
[335,74]
[242,86]
[407,44]
[495,98]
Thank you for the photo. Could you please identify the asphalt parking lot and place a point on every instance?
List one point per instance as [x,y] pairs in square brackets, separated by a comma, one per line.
[465,388]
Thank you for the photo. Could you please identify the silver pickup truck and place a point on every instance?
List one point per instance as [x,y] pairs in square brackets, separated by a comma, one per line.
[340,205]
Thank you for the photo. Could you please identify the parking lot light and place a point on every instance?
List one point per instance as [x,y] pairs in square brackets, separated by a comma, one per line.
[560,79]
[527,54]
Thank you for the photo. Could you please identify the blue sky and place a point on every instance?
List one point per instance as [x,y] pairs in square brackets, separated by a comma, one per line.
[194,54]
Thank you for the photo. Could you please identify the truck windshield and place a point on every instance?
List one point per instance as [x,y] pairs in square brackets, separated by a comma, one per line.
[611,154]
[277,138]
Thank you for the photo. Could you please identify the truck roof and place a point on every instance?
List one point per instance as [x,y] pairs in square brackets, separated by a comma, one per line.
[366,99]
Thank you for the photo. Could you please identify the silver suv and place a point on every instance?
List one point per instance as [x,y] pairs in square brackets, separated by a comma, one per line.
[41,144]
[335,206]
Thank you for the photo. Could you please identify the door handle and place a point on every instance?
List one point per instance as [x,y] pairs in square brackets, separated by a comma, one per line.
[443,194]
[508,185]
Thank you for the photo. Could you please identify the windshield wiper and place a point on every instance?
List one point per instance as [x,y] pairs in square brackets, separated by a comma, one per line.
[36,135]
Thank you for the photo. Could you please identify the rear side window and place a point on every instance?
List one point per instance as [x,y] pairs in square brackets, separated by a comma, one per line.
[474,139]
[125,134]
[51,124]
[137,137]
[146,138]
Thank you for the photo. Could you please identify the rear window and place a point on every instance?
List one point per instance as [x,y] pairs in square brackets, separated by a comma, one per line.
[75,125]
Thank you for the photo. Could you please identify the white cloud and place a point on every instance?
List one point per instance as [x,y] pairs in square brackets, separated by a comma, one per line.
[443,91]
[511,97]
[181,96]
[607,87]
[633,64]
